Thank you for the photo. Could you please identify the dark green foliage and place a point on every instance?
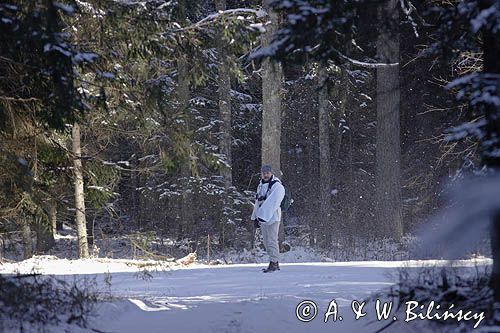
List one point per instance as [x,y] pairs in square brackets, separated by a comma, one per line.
[37,63]
[473,27]
[322,29]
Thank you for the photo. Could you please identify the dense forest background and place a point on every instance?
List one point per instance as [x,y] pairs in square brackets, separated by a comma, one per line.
[149,121]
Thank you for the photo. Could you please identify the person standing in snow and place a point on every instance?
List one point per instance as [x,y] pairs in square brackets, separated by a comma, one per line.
[267,214]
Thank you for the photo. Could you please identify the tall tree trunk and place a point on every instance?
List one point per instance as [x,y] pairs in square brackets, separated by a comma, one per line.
[44,236]
[313,195]
[495,252]
[183,96]
[388,174]
[26,236]
[224,104]
[341,94]
[53,217]
[90,230]
[491,54]
[81,223]
[272,77]
[272,85]
[141,201]
[351,187]
[325,173]
[183,99]
[225,127]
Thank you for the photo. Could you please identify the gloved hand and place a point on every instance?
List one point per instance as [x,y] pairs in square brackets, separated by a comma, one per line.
[256,224]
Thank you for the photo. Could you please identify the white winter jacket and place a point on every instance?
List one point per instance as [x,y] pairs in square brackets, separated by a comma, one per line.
[269,210]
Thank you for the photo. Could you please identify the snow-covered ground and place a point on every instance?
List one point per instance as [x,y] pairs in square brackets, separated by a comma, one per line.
[166,297]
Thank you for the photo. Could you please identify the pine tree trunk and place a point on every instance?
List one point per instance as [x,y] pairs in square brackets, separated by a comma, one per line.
[325,174]
[90,231]
[225,127]
[183,99]
[388,174]
[341,93]
[44,235]
[26,237]
[340,96]
[495,252]
[272,77]
[352,188]
[135,198]
[53,217]
[491,54]
[141,201]
[224,104]
[183,96]
[272,84]
[81,223]
[314,196]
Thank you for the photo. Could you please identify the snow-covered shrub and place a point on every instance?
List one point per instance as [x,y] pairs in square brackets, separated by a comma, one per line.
[450,287]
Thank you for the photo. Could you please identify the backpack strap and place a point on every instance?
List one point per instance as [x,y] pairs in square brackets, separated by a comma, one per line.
[268,188]
[271,185]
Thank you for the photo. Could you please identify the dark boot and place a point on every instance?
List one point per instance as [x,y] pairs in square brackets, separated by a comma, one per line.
[273,266]
[268,267]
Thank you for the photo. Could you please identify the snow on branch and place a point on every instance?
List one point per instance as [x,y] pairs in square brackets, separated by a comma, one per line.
[370,64]
[366,64]
[237,11]
[272,49]
[408,8]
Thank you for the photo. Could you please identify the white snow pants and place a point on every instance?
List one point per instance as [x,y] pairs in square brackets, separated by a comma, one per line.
[270,237]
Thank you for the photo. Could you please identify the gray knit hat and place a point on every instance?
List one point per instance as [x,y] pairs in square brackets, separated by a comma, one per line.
[266,168]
